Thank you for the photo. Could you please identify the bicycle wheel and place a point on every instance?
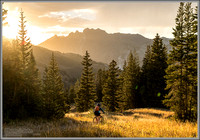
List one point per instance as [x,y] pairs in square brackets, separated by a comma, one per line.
[101,119]
[95,120]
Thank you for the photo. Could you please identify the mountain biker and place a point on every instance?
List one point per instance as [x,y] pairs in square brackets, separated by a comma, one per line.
[98,109]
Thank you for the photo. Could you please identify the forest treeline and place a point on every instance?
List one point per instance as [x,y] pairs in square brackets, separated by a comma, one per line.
[165,80]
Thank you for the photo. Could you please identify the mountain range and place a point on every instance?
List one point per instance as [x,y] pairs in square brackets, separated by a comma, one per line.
[103,47]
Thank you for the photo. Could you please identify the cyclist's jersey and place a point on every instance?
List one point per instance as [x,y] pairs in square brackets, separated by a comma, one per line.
[97,108]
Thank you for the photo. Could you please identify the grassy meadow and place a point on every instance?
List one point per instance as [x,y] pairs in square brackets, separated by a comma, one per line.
[131,123]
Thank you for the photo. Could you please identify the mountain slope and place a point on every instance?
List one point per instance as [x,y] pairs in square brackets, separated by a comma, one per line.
[102,46]
[69,63]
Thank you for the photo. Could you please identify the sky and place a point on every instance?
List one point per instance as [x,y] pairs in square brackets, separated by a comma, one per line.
[46,19]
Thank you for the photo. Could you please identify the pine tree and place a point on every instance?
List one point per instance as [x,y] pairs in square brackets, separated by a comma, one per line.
[192,69]
[175,68]
[182,69]
[190,62]
[54,97]
[120,94]
[30,84]
[153,72]
[24,86]
[131,81]
[86,95]
[110,98]
[158,66]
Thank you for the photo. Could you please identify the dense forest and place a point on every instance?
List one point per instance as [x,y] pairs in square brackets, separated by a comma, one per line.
[165,79]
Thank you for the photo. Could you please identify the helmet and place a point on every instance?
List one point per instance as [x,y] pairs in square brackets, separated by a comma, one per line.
[98,104]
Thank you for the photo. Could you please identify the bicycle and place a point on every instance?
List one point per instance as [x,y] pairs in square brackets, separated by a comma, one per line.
[97,120]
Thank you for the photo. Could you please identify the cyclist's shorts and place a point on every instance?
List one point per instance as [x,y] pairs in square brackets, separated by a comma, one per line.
[97,113]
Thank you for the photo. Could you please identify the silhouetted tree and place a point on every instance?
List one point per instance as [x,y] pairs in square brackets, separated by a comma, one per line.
[86,95]
[131,81]
[54,97]
[182,69]
[23,89]
[110,98]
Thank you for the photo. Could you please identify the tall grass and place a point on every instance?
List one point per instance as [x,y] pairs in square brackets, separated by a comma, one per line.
[131,123]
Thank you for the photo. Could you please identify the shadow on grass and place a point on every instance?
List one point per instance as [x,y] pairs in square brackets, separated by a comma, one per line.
[151,114]
[129,113]
[69,127]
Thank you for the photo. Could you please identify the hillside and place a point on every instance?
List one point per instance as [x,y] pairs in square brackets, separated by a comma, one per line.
[102,46]
[69,63]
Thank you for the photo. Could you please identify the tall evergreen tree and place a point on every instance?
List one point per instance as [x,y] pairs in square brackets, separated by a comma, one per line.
[24,87]
[131,81]
[120,94]
[175,69]
[86,95]
[55,104]
[182,69]
[30,84]
[158,66]
[192,69]
[153,72]
[110,98]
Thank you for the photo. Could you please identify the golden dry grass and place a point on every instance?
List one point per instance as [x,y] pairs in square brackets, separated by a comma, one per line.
[131,123]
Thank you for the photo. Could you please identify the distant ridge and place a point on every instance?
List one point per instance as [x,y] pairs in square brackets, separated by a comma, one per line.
[102,46]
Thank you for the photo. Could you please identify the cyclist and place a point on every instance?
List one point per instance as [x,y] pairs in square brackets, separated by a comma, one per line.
[97,111]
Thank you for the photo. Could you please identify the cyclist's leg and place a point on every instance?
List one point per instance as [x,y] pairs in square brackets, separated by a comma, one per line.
[96,115]
[99,117]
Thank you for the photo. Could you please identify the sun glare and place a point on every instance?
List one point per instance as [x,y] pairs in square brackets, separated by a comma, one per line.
[36,34]
[11,29]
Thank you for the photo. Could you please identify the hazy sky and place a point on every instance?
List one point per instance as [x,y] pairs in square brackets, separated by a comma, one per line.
[47,19]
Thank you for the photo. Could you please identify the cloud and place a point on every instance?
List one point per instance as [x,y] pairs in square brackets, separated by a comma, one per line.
[45,14]
[76,22]
[64,16]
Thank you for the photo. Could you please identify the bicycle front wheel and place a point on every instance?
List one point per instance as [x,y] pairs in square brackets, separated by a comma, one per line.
[101,119]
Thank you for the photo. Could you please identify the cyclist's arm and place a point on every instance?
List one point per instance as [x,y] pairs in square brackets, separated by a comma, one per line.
[101,110]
